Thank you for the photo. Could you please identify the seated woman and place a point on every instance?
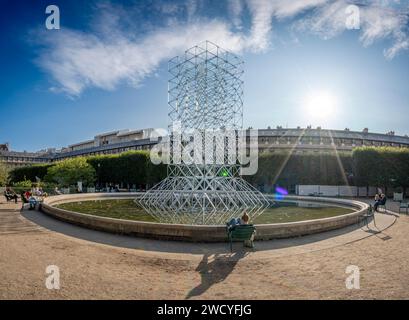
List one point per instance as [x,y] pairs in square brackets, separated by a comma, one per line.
[244,221]
[57,191]
[379,200]
[32,201]
[10,195]
[238,221]
[233,223]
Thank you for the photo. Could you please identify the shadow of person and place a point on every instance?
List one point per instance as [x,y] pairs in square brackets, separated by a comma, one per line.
[214,270]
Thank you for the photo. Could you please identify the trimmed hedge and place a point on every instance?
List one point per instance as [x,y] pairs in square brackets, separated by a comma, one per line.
[128,168]
[68,172]
[29,173]
[365,166]
[284,169]
[3,174]
[385,167]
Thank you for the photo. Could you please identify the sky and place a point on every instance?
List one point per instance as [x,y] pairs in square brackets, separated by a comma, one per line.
[335,64]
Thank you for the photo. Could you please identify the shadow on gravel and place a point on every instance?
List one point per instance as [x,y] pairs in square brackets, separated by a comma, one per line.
[214,270]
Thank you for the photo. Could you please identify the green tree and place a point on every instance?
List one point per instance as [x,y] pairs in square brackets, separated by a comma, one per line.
[128,167]
[289,169]
[70,171]
[402,172]
[29,173]
[25,184]
[381,167]
[3,174]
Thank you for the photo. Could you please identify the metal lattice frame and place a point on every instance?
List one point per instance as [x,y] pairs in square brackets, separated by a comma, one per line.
[205,99]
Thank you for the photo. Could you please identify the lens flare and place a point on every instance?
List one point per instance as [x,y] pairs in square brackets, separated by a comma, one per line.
[280,193]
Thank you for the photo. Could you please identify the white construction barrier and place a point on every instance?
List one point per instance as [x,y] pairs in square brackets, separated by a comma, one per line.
[328,191]
[348,191]
[362,191]
[397,196]
[372,191]
[307,190]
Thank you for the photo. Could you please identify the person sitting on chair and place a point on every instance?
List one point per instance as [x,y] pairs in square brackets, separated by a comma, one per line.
[10,195]
[245,221]
[238,221]
[377,199]
[57,191]
[6,195]
[32,201]
[27,195]
[383,200]
[233,223]
[380,202]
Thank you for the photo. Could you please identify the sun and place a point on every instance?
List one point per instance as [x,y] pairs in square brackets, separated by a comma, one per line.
[320,104]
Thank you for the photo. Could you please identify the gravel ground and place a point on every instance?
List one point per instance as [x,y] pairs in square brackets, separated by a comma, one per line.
[91,270]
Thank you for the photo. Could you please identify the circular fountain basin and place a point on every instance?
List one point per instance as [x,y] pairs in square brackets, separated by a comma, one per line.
[56,206]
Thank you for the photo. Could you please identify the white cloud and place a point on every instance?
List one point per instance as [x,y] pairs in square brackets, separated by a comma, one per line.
[79,60]
[264,11]
[391,52]
[236,8]
[168,7]
[327,21]
[111,53]
[377,21]
[285,8]
[262,15]
[191,7]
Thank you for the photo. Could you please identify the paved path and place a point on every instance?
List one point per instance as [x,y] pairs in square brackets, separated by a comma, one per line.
[99,265]
[11,220]
[185,250]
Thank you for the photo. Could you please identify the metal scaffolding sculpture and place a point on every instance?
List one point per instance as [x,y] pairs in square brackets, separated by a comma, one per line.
[206,112]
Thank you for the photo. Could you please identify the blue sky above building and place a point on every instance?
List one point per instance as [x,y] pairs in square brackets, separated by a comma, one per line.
[106,67]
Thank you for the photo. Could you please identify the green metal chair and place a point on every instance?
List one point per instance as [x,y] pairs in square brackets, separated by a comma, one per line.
[370,213]
[243,232]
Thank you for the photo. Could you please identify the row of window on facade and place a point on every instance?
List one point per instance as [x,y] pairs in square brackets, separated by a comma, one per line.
[328,141]
[113,151]
[23,159]
[16,160]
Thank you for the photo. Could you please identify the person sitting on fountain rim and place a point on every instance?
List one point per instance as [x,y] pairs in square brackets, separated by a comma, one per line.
[33,202]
